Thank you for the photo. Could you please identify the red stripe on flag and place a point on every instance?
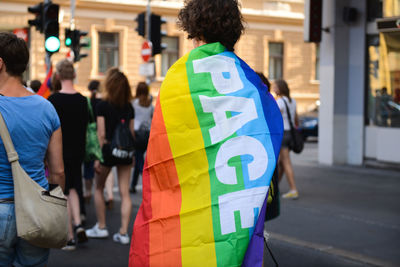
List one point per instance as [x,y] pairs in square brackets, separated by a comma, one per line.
[156,238]
[44,88]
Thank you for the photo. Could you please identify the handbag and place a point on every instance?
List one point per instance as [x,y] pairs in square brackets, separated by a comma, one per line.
[92,148]
[142,136]
[41,215]
[297,143]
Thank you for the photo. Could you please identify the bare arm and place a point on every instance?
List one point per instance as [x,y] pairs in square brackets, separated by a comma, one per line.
[55,161]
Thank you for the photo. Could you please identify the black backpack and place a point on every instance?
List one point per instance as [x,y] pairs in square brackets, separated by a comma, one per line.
[122,143]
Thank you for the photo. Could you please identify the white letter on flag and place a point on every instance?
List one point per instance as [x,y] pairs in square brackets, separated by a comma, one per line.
[219,105]
[240,145]
[244,201]
[217,66]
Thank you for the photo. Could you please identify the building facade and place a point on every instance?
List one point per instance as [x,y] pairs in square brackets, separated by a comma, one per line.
[360,82]
[272,44]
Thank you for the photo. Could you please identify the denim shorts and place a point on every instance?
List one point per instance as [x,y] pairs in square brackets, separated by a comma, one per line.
[14,250]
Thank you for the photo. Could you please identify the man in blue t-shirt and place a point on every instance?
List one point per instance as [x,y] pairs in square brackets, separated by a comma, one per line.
[35,131]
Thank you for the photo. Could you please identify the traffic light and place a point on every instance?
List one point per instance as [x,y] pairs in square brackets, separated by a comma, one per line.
[77,44]
[51,27]
[312,21]
[38,21]
[68,37]
[141,24]
[156,33]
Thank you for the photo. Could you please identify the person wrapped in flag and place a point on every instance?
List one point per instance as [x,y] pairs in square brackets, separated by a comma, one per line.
[213,147]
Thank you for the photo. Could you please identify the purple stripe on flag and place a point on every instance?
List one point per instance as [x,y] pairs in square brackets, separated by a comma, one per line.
[255,250]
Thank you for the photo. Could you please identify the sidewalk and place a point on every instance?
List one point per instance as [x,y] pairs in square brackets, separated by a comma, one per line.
[348,213]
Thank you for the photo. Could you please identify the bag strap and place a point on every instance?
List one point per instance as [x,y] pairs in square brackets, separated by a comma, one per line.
[8,144]
[90,109]
[288,114]
[270,252]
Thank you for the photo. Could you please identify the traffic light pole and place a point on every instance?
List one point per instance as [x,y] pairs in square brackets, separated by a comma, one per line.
[72,21]
[148,31]
[148,20]
[47,59]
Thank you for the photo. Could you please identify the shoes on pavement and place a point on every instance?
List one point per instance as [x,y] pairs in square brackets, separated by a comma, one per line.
[123,239]
[80,234]
[96,232]
[71,245]
[292,194]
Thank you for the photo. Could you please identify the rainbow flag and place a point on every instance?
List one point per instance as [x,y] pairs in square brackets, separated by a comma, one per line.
[45,87]
[214,142]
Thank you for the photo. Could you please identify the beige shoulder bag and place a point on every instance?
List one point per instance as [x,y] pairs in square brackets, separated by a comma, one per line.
[41,215]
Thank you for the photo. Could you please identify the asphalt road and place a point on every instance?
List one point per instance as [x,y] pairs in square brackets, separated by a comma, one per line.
[345,216]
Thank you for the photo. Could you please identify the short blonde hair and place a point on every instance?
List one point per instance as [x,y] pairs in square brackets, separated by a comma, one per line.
[65,70]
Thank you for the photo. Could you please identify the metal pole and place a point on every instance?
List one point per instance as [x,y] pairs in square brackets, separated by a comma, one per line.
[148,32]
[72,20]
[47,59]
[148,20]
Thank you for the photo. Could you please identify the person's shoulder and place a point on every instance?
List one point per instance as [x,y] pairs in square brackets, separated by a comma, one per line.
[53,96]
[279,100]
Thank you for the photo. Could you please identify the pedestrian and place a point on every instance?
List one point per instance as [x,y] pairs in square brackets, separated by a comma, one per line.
[88,167]
[285,102]
[113,110]
[213,146]
[143,115]
[72,109]
[35,85]
[55,84]
[35,131]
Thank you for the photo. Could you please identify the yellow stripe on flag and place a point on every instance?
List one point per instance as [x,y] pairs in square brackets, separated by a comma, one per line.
[187,146]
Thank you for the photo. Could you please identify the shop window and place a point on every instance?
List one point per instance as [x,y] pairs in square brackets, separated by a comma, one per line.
[384,79]
[170,54]
[108,51]
[275,61]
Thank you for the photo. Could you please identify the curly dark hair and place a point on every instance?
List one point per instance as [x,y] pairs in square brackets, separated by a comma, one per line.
[212,21]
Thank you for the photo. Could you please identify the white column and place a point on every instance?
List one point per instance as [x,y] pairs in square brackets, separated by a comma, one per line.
[342,75]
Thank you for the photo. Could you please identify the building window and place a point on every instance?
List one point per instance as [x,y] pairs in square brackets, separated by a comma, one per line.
[316,62]
[275,61]
[108,51]
[170,54]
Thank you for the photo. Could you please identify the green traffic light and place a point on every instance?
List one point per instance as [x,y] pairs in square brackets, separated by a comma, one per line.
[52,44]
[68,41]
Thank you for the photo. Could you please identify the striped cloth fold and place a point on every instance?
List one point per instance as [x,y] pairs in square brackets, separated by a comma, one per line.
[214,143]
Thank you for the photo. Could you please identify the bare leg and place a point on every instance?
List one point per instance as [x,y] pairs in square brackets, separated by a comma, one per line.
[88,188]
[124,174]
[280,169]
[73,199]
[287,167]
[99,195]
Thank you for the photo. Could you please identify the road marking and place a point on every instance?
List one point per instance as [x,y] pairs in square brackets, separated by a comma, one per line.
[331,250]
